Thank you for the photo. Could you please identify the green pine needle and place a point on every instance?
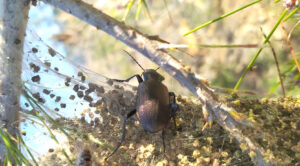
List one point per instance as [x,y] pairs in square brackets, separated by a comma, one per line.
[221,17]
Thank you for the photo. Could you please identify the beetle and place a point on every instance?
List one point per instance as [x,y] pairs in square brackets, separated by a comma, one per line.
[155,104]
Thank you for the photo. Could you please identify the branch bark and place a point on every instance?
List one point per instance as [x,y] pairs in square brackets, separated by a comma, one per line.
[149,48]
[14,17]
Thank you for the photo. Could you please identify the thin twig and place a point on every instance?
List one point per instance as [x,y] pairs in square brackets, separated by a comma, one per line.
[278,70]
[277,65]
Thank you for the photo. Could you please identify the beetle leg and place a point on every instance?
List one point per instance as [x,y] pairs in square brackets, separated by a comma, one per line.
[123,131]
[163,139]
[139,78]
[174,106]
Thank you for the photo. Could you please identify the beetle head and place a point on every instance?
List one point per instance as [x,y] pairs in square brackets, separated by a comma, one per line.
[148,73]
[152,74]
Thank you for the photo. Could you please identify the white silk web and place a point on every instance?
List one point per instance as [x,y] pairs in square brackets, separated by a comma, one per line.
[62,89]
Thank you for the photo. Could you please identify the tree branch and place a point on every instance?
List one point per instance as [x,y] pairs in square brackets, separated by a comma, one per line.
[14,17]
[150,48]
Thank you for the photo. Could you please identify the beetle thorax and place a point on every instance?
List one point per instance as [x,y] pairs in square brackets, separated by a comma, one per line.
[152,74]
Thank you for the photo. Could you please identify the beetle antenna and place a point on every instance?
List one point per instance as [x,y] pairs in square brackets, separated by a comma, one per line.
[134,60]
[157,68]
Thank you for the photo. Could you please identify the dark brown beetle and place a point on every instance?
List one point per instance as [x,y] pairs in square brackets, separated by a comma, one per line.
[155,104]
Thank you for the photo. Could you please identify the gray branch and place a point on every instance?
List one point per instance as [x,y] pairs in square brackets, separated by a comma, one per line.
[14,16]
[150,48]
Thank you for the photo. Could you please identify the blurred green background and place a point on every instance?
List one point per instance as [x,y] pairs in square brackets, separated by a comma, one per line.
[171,19]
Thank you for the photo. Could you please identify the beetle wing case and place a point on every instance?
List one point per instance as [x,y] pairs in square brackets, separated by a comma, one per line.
[153,107]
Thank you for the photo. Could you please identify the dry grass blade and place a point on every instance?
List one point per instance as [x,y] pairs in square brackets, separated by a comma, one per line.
[277,65]
[290,47]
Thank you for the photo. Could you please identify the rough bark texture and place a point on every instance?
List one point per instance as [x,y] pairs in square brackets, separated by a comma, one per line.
[150,48]
[14,19]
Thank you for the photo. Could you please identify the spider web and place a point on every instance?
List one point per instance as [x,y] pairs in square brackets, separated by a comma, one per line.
[61,85]
[65,90]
